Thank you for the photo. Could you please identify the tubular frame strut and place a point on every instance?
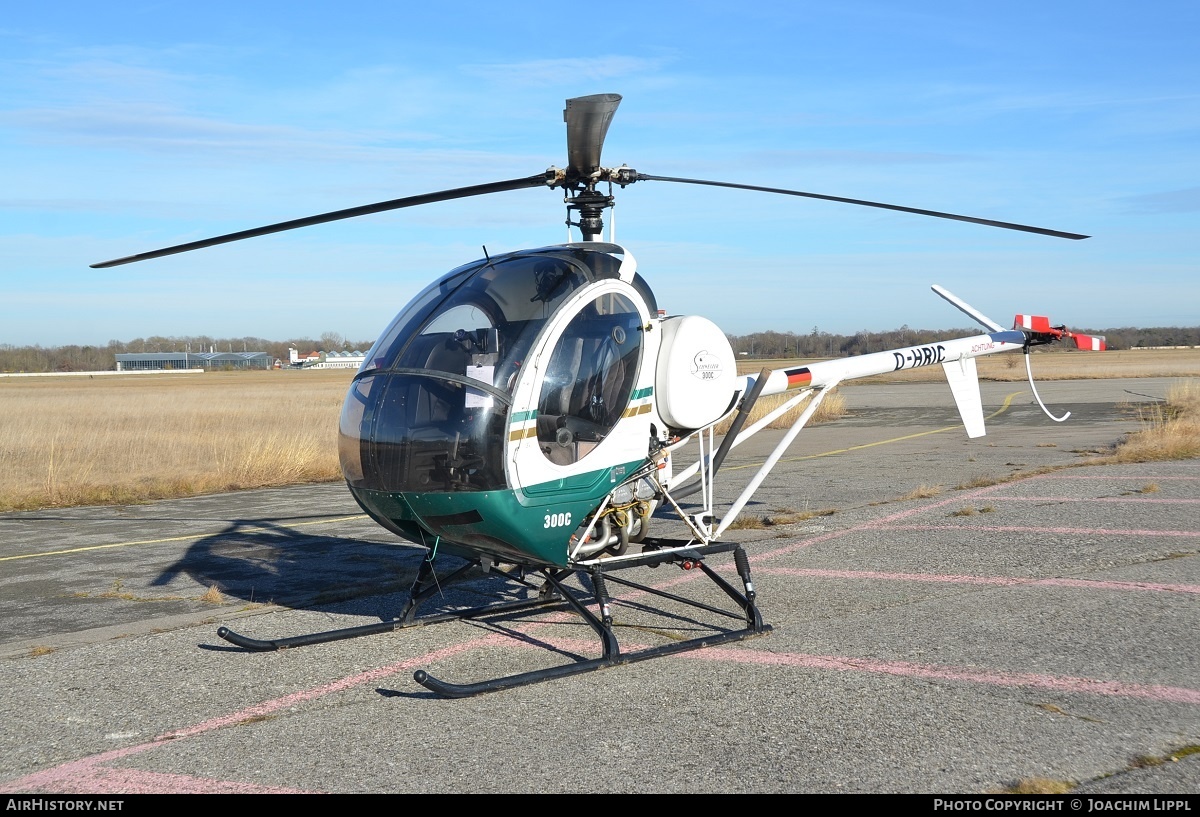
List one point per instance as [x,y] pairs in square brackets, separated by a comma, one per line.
[593,606]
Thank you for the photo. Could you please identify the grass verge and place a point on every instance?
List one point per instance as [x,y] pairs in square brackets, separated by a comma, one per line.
[832,407]
[1170,430]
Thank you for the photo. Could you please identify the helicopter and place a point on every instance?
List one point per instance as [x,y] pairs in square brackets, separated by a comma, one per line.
[534,414]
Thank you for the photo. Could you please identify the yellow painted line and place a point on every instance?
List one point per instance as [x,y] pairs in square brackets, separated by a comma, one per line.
[1003,408]
[163,541]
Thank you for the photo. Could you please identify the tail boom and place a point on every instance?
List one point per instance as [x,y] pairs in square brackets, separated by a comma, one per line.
[827,372]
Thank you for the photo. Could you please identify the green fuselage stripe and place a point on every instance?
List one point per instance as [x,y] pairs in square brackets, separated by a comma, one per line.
[533,525]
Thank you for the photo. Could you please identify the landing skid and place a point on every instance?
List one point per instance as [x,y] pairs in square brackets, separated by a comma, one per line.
[551,592]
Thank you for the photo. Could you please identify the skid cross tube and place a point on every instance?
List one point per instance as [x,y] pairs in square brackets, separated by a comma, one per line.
[611,654]
[551,591]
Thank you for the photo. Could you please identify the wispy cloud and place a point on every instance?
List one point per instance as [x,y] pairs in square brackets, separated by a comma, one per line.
[566,70]
[854,158]
[1186,200]
[158,129]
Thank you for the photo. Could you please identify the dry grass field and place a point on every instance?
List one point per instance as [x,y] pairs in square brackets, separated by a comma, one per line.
[832,407]
[113,439]
[78,440]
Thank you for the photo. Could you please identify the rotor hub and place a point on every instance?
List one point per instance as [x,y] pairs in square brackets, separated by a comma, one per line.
[591,206]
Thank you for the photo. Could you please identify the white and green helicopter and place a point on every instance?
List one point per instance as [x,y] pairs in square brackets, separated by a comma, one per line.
[535,414]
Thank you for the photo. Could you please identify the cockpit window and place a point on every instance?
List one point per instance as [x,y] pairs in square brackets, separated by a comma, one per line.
[412,316]
[589,378]
[457,317]
[485,314]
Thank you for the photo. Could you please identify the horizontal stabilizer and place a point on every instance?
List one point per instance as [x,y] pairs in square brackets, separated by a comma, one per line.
[1033,323]
[964,385]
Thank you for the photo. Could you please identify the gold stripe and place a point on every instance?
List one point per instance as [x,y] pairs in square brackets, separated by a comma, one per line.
[522,433]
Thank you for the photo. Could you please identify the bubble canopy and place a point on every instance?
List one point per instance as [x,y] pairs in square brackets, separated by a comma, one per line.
[429,409]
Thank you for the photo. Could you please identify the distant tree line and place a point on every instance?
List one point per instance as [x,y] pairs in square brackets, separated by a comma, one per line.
[815,344]
[825,344]
[103,358]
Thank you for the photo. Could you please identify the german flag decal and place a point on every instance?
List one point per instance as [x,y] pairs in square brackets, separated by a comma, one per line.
[798,378]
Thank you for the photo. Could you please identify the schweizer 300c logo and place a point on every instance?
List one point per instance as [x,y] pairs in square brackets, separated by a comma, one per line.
[706,366]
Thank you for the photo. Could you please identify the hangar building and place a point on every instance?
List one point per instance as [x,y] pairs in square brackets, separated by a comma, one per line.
[143,361]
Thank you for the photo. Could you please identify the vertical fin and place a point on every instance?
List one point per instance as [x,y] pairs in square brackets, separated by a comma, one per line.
[964,385]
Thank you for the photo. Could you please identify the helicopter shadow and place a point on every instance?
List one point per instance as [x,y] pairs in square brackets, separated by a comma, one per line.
[261,562]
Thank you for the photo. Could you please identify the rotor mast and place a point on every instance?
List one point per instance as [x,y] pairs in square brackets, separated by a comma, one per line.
[587,118]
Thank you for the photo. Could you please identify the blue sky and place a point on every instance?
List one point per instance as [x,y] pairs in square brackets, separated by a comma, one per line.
[129,126]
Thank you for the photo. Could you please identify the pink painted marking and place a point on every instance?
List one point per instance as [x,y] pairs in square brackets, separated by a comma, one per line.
[1139,478]
[1001,581]
[1138,499]
[1058,683]
[883,522]
[846,663]
[88,776]
[891,520]
[1072,531]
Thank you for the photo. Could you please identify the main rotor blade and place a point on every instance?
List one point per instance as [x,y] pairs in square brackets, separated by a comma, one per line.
[588,118]
[985,221]
[350,212]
